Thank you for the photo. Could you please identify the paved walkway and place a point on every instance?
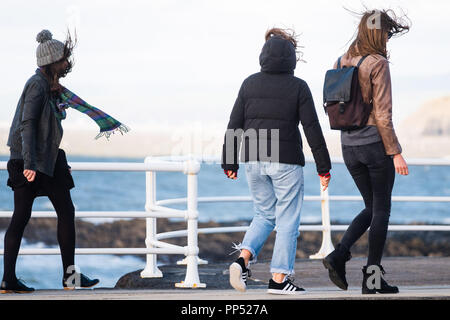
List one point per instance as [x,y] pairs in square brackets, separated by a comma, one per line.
[422,292]
[417,278]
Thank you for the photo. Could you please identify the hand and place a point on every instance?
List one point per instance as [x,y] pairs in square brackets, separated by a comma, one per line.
[231,174]
[400,165]
[29,174]
[324,181]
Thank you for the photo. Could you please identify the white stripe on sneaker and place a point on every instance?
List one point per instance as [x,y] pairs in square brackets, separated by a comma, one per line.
[237,277]
[289,288]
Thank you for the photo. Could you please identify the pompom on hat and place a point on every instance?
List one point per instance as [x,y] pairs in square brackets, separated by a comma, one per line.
[49,50]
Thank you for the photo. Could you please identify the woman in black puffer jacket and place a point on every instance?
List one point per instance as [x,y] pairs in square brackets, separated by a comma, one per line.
[268,110]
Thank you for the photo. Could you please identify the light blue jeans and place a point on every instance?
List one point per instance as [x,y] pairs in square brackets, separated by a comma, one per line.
[277,190]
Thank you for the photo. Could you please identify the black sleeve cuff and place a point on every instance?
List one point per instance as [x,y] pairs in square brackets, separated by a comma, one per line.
[233,167]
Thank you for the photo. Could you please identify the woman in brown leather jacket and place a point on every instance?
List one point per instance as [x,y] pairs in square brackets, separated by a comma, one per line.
[372,154]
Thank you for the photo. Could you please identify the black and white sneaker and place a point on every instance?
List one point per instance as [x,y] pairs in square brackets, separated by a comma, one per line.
[239,274]
[286,287]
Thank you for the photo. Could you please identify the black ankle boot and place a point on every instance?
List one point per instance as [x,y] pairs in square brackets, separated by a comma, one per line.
[384,287]
[78,281]
[16,286]
[335,263]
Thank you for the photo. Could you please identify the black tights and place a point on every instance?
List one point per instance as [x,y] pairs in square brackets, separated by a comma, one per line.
[23,202]
[374,173]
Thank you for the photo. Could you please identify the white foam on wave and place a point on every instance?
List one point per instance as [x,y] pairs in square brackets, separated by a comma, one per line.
[45,271]
[446,221]
[98,221]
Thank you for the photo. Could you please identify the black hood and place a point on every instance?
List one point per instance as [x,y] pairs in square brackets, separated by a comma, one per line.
[278,56]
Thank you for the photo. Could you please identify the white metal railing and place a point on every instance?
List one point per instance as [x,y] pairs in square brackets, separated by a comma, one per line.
[158,209]
[325,227]
[324,198]
[152,211]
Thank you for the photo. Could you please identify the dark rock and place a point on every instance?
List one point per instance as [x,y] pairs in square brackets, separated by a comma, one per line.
[216,248]
[215,275]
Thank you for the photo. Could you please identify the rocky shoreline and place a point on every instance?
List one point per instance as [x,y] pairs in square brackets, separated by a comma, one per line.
[217,248]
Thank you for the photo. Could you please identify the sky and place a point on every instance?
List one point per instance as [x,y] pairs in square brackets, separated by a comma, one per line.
[172,63]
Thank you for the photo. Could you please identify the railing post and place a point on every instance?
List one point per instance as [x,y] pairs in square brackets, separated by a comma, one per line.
[151,269]
[327,245]
[199,261]
[192,279]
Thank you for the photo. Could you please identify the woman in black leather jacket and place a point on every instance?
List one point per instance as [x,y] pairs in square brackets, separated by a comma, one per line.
[37,167]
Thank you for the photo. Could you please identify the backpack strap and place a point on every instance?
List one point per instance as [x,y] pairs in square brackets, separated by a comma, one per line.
[359,63]
[361,60]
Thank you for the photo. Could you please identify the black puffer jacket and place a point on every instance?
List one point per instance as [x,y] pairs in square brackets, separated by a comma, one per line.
[275,99]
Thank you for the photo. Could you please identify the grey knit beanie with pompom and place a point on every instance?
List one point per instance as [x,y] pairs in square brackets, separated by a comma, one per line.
[49,50]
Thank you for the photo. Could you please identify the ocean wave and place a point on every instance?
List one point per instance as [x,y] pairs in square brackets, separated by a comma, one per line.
[446,220]
[310,219]
[45,271]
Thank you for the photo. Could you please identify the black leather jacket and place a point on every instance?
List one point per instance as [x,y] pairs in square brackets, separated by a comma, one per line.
[35,133]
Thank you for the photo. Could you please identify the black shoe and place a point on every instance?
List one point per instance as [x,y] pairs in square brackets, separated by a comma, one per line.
[78,280]
[239,274]
[384,287]
[286,287]
[335,263]
[15,287]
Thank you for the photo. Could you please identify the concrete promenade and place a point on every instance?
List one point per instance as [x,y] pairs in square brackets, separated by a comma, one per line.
[416,277]
[408,293]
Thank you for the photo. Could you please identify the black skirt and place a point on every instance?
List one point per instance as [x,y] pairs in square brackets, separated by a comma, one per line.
[42,184]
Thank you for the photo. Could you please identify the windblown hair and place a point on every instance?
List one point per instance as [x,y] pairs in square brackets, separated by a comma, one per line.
[287,34]
[49,70]
[374,29]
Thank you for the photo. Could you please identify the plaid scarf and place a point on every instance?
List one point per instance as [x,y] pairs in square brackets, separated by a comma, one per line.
[108,125]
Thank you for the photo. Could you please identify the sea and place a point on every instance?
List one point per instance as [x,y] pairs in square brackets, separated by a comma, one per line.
[125,191]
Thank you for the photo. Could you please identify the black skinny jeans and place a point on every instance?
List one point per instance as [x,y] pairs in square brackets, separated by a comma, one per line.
[374,173]
[23,202]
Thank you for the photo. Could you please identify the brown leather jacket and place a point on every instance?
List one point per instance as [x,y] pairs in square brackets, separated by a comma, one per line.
[375,82]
